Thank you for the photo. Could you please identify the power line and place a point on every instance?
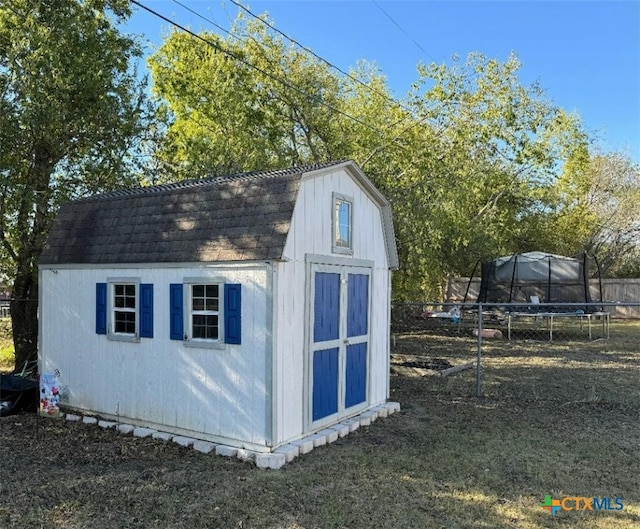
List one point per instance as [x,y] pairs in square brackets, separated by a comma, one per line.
[213,23]
[462,110]
[331,65]
[234,56]
[401,29]
[322,59]
[381,147]
[304,48]
[194,12]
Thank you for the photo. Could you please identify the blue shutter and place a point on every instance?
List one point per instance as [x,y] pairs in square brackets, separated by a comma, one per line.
[146,310]
[176,321]
[232,314]
[101,308]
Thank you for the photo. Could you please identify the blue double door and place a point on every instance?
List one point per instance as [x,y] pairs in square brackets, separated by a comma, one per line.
[339,341]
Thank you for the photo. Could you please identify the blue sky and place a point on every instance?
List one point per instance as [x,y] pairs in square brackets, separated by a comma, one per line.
[585,54]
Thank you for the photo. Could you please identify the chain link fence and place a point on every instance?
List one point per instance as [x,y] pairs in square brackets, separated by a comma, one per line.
[570,353]
[530,352]
[18,305]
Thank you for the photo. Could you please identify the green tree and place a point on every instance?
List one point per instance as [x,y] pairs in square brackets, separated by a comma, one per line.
[494,149]
[71,111]
[260,103]
[598,210]
[467,158]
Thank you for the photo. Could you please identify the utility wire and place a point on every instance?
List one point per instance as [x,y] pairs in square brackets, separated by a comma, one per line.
[395,140]
[322,59]
[213,23]
[462,109]
[409,111]
[401,29]
[234,56]
[308,50]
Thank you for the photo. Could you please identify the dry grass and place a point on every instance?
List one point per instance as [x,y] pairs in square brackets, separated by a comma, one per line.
[559,420]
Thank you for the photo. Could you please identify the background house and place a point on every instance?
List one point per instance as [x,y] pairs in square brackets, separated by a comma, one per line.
[249,310]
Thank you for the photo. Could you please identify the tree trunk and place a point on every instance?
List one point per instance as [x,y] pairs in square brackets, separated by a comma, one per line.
[24,317]
[34,222]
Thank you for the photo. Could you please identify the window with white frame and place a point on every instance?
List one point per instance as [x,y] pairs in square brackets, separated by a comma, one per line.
[124,308]
[342,224]
[204,311]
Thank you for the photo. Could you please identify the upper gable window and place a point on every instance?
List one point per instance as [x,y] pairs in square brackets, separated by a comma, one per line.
[342,224]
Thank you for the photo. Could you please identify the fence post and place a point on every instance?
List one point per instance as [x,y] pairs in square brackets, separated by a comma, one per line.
[479,358]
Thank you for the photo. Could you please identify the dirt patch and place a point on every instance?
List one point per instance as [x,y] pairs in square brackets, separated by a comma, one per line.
[412,365]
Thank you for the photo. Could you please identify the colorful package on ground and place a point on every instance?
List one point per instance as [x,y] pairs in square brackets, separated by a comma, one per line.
[49,395]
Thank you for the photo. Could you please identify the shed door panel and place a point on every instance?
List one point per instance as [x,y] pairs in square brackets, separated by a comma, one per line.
[340,340]
[326,333]
[358,339]
[356,374]
[326,322]
[358,305]
[325,383]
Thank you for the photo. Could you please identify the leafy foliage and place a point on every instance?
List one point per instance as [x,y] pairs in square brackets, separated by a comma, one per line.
[598,209]
[257,104]
[71,111]
[468,158]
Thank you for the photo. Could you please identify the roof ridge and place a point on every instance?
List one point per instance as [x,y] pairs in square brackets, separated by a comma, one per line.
[210,180]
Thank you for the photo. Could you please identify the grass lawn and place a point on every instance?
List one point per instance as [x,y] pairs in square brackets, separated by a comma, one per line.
[557,419]
[6,346]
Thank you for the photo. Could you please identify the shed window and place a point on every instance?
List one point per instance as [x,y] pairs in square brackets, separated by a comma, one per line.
[124,308]
[342,224]
[205,312]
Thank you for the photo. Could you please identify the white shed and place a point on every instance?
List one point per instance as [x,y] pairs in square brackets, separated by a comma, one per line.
[249,310]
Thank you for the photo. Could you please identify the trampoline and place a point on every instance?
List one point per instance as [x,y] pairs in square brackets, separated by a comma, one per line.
[545,287]
[538,277]
[549,318]
[17,393]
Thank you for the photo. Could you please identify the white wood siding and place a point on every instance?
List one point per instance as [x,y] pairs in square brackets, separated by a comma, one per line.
[217,394]
[311,233]
[311,226]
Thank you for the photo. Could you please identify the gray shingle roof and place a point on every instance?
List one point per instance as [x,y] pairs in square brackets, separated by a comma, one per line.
[238,217]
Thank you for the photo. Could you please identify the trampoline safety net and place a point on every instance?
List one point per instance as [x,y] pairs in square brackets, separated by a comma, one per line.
[538,277]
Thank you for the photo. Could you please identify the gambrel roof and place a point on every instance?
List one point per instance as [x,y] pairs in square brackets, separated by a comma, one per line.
[239,217]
